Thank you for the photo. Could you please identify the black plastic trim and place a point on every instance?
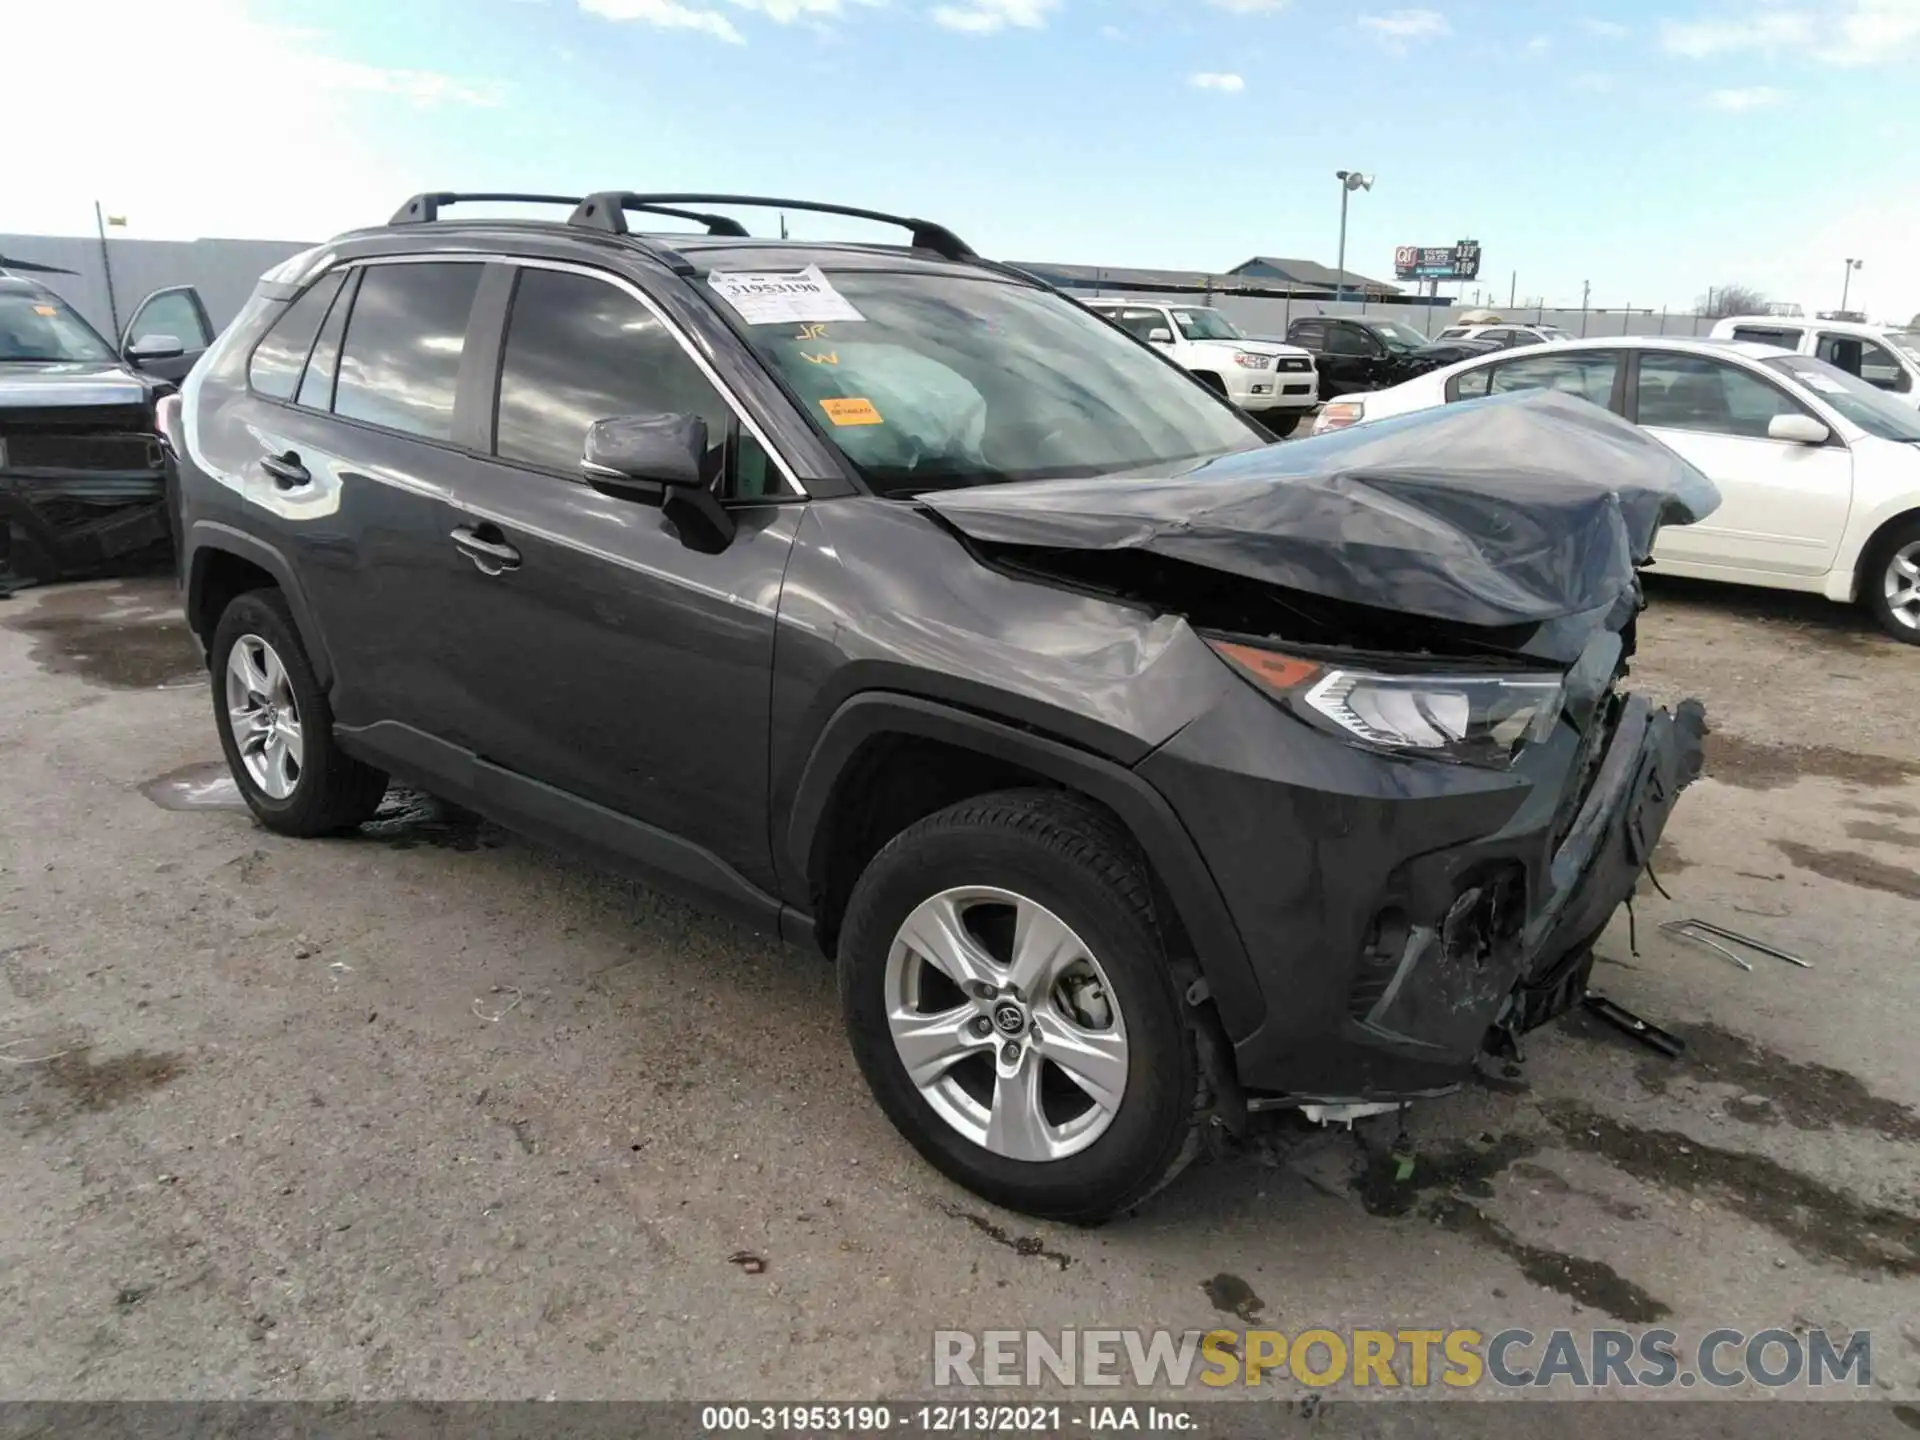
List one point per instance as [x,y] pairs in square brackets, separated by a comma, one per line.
[1169,849]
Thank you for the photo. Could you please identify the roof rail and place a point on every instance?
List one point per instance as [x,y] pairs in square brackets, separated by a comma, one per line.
[427,207]
[605,210]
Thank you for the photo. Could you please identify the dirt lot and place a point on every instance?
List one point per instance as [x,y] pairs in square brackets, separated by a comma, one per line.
[432,1112]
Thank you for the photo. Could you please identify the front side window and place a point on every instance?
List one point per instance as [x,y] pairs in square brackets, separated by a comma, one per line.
[39,325]
[579,350]
[1696,392]
[175,313]
[1348,340]
[1396,336]
[281,354]
[1205,325]
[959,380]
[400,358]
[1140,322]
[1853,397]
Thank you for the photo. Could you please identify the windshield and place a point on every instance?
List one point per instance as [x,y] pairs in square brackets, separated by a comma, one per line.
[1854,398]
[1551,332]
[35,325]
[945,380]
[1397,336]
[1206,325]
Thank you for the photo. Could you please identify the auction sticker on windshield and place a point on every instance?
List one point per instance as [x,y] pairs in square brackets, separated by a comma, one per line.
[851,411]
[782,298]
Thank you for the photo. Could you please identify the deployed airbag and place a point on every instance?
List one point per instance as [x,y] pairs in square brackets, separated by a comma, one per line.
[1517,509]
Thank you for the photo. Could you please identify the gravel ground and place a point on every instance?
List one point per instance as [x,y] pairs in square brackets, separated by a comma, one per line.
[432,1112]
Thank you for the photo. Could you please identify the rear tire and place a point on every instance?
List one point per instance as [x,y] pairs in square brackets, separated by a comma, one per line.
[1059,871]
[277,728]
[1890,581]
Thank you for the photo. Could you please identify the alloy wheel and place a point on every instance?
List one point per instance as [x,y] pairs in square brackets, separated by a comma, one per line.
[264,716]
[1902,582]
[1006,1024]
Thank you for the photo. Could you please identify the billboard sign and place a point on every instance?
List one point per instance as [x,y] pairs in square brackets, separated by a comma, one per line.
[1437,262]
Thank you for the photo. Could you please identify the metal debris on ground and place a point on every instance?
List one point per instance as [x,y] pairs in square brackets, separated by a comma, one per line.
[1702,933]
[747,1261]
[1648,1034]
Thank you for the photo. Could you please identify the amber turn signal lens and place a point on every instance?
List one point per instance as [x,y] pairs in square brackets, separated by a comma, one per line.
[1269,667]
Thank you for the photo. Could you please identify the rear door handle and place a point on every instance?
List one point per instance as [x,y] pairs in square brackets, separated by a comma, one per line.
[287,471]
[484,545]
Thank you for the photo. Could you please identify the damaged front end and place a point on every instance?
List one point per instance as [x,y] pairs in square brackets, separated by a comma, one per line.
[1433,792]
[83,479]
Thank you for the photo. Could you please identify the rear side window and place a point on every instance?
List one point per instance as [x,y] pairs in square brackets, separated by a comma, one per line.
[280,357]
[1308,332]
[400,359]
[1586,373]
[580,350]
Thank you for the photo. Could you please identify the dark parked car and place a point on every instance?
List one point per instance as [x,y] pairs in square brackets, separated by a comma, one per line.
[82,478]
[1360,352]
[865,592]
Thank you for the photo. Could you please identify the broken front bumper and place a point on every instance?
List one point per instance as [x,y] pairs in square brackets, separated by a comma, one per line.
[59,521]
[1396,912]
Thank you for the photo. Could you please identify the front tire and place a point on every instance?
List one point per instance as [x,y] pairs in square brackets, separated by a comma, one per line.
[1010,1002]
[1890,582]
[277,728]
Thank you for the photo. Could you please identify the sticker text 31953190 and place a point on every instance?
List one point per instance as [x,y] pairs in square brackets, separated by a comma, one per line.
[782,298]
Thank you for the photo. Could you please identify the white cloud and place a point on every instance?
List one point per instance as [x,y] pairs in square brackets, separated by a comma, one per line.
[1766,29]
[1605,29]
[1398,28]
[1748,97]
[1836,32]
[1226,83]
[346,169]
[1596,81]
[678,15]
[1250,7]
[667,15]
[984,17]
[1539,45]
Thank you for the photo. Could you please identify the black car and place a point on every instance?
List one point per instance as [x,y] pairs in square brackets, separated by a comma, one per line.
[1360,352]
[1450,352]
[82,472]
[1137,772]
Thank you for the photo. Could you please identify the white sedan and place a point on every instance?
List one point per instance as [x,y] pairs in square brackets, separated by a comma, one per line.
[1819,472]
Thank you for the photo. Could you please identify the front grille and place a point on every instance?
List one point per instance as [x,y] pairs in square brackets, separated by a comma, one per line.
[82,452]
[1295,389]
[1296,364]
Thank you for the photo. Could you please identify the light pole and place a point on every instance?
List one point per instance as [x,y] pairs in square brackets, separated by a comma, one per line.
[1847,284]
[1350,181]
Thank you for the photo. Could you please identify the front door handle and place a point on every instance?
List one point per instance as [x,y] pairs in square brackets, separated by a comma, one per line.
[484,545]
[287,471]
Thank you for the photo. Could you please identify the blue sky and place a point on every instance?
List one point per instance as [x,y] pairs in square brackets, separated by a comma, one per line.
[1653,149]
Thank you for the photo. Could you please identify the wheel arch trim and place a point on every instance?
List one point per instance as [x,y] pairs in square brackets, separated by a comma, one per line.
[209,538]
[1148,818]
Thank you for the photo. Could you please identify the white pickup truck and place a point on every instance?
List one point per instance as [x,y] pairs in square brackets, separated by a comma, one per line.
[1272,381]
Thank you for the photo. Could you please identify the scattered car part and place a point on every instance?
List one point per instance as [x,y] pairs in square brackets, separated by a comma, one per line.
[1648,1034]
[1683,929]
[1700,930]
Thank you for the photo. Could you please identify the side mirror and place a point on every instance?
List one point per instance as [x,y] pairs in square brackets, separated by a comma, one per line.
[1798,430]
[1160,335]
[660,458]
[156,347]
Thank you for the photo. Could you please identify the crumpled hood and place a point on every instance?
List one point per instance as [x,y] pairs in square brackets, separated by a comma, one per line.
[1519,509]
[25,385]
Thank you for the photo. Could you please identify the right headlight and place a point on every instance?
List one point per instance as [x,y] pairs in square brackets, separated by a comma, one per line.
[1472,719]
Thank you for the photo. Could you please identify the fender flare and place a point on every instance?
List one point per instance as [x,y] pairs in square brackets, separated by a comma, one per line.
[1169,849]
[207,538]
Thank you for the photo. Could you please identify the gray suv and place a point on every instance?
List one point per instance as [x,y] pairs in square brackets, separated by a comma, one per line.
[1137,773]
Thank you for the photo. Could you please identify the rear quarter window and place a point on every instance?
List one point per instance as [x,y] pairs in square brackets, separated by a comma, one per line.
[281,356]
